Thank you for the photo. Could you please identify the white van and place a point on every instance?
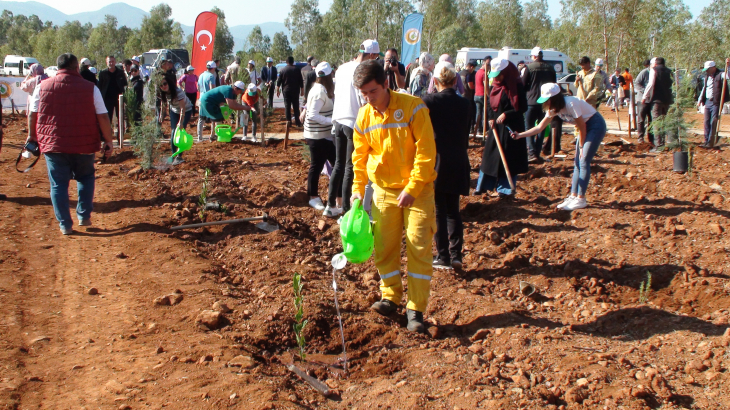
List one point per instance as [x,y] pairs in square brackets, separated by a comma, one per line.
[558,59]
[18,65]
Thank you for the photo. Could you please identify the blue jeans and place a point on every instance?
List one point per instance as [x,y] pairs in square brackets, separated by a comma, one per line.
[479,102]
[488,183]
[62,168]
[174,119]
[711,113]
[595,131]
[534,114]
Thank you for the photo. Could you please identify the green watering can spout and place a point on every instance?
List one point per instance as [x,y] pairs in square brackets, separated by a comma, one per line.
[183,141]
[357,234]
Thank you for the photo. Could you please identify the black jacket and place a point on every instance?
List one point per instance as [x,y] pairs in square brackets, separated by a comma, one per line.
[138,86]
[88,75]
[515,151]
[537,74]
[290,80]
[265,75]
[450,118]
[309,81]
[716,89]
[106,77]
[662,92]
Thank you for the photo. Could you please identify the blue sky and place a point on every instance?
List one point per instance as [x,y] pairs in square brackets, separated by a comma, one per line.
[254,11]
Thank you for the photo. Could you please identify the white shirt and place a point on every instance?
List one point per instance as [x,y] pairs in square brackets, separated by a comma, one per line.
[574,108]
[180,97]
[348,99]
[318,122]
[98,101]
[253,76]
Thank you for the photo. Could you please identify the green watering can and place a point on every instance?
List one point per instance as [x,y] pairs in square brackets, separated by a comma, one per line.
[357,234]
[183,141]
[226,111]
[224,133]
[547,129]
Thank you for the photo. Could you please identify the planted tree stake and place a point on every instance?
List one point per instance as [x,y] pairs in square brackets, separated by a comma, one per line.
[716,136]
[316,384]
[339,317]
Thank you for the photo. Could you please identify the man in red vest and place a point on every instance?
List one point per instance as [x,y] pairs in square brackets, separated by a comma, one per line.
[66,114]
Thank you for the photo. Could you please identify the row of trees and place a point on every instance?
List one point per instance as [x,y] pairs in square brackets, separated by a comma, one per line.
[623,32]
[29,36]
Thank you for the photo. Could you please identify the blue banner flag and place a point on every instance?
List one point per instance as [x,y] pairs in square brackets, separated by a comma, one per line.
[411,46]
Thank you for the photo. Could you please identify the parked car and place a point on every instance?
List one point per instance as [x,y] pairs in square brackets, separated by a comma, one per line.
[51,71]
[18,65]
[558,59]
[567,83]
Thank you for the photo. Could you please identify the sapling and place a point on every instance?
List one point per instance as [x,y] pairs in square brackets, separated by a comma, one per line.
[645,288]
[203,198]
[299,322]
[146,134]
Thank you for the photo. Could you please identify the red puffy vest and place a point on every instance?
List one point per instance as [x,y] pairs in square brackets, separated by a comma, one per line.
[66,115]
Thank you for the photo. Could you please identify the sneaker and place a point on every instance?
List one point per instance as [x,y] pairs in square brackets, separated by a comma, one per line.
[384,306]
[332,212]
[578,203]
[439,263]
[66,231]
[317,204]
[339,221]
[565,202]
[415,321]
[178,160]
[532,159]
[84,222]
[456,263]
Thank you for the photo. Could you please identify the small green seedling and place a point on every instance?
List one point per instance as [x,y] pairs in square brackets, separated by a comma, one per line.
[645,288]
[299,322]
[203,198]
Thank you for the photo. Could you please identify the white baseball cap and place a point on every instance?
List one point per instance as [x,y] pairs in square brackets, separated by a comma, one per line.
[599,61]
[210,64]
[269,60]
[190,68]
[135,58]
[370,47]
[547,91]
[240,85]
[92,69]
[536,51]
[652,61]
[708,64]
[85,61]
[323,69]
[251,62]
[438,70]
[498,64]
[252,90]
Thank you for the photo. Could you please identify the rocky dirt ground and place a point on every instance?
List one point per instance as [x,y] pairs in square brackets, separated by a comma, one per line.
[131,315]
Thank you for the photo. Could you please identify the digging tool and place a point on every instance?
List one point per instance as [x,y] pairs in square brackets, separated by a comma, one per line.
[286,136]
[552,138]
[504,159]
[264,218]
[617,105]
[716,137]
[486,102]
[338,262]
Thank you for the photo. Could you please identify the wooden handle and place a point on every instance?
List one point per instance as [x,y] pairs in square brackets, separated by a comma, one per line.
[504,160]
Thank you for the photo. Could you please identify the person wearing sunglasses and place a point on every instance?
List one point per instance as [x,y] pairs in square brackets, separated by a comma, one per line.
[180,108]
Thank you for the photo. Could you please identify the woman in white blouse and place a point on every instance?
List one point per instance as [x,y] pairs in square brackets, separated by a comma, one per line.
[318,132]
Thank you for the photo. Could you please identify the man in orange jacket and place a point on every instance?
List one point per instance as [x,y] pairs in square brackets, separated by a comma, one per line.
[394,148]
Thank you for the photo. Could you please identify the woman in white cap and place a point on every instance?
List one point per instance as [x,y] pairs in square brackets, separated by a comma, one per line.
[253,76]
[189,83]
[506,106]
[180,108]
[591,128]
[450,119]
[251,98]
[422,75]
[318,132]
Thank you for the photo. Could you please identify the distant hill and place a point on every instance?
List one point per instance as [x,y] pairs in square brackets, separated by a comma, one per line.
[127,16]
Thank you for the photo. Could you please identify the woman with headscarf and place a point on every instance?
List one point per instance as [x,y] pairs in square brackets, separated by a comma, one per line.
[32,80]
[422,75]
[507,103]
[450,118]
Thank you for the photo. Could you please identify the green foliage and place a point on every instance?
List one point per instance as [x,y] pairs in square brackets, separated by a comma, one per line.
[223,46]
[130,101]
[675,125]
[645,289]
[203,197]
[280,48]
[303,22]
[105,39]
[158,30]
[299,322]
[146,134]
[258,42]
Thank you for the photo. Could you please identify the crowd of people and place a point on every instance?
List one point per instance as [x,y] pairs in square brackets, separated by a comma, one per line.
[392,136]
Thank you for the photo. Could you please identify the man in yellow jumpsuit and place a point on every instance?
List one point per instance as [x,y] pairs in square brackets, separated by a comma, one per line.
[394,147]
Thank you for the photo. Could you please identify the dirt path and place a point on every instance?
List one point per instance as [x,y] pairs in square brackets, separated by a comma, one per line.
[586,341]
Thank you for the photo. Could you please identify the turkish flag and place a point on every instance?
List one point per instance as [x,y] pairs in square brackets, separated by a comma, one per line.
[203,40]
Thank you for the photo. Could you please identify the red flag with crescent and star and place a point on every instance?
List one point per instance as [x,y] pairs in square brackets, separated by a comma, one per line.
[203,40]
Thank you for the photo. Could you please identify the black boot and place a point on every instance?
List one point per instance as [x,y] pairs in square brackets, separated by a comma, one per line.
[385,307]
[415,321]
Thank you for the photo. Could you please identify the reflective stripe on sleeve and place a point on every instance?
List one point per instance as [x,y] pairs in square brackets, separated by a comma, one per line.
[415,110]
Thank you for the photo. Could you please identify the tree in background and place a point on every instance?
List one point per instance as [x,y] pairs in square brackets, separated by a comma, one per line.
[280,48]
[223,46]
[106,39]
[158,30]
[257,48]
[54,41]
[16,33]
[302,22]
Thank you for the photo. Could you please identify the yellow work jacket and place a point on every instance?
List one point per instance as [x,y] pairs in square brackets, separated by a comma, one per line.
[395,149]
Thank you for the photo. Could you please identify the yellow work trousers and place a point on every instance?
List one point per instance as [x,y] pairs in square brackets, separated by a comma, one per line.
[419,222]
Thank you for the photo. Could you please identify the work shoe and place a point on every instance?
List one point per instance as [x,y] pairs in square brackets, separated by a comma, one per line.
[384,306]
[439,263]
[456,263]
[331,212]
[577,203]
[177,161]
[415,321]
[84,222]
[532,159]
[66,231]
[317,204]
[565,202]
